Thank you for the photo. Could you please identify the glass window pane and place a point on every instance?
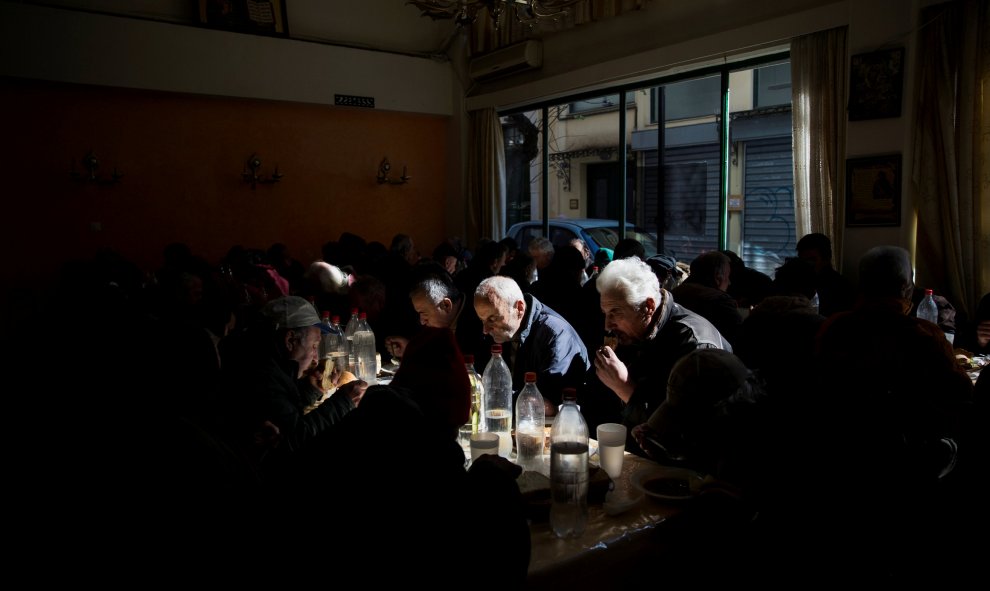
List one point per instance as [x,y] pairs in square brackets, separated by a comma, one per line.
[773,85]
[761,184]
[693,98]
[584,154]
[523,163]
[683,209]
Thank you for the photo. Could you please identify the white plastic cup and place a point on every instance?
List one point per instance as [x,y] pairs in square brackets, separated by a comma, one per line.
[611,448]
[483,443]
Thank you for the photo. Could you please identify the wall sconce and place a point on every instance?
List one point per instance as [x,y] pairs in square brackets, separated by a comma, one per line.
[251,175]
[385,168]
[90,162]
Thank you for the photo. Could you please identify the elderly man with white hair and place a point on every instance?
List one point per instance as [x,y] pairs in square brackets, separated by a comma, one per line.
[647,332]
[535,337]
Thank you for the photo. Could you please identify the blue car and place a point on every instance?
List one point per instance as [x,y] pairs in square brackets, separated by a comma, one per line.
[597,233]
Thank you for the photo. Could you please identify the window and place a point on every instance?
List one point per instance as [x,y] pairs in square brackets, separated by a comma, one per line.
[685,182]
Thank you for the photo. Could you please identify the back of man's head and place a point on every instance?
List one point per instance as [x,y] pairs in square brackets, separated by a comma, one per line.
[885,271]
[709,268]
[542,251]
[629,247]
[818,242]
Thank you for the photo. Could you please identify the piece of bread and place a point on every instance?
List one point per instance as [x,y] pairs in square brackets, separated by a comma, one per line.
[611,341]
[328,382]
[345,378]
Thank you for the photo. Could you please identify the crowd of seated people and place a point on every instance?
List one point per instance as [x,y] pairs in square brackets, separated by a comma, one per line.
[200,384]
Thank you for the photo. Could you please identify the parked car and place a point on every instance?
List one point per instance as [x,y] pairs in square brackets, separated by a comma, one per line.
[597,233]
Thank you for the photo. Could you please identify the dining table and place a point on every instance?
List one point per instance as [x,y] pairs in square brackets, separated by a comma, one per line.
[616,545]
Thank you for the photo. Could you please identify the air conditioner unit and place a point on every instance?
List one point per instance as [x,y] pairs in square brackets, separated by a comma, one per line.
[512,59]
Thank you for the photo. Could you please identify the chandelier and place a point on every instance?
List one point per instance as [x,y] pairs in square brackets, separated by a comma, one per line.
[465,12]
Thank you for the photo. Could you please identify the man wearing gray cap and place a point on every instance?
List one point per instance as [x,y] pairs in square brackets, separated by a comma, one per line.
[267,387]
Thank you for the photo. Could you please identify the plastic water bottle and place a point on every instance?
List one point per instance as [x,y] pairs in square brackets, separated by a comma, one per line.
[365,353]
[569,469]
[530,420]
[497,402]
[477,392]
[333,349]
[927,310]
[332,341]
[349,330]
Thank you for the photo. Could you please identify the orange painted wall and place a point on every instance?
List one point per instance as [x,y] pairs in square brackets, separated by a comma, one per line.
[182,157]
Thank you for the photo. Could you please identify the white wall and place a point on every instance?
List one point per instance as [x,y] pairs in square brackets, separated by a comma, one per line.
[873,25]
[86,48]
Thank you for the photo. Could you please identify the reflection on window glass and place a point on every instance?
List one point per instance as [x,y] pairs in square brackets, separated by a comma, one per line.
[772,85]
[609,101]
[521,134]
[693,98]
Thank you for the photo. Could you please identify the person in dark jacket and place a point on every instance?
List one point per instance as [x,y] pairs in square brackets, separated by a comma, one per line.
[835,292]
[748,285]
[704,292]
[268,389]
[533,338]
[900,405]
[440,304]
[629,380]
[974,335]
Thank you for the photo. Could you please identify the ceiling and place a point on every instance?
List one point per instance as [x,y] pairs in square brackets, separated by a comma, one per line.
[395,26]
[388,25]
[385,25]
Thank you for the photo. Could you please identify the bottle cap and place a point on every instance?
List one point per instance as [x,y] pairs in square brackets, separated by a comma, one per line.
[496,348]
[325,315]
[568,394]
[928,292]
[469,358]
[531,376]
[336,319]
[363,316]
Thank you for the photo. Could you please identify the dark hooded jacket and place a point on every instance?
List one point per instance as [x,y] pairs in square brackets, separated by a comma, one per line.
[674,332]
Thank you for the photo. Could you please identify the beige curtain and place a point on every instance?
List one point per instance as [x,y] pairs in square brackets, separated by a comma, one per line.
[952,151]
[818,89]
[485,176]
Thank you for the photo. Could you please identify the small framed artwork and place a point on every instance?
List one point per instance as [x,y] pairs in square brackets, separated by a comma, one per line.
[873,191]
[875,84]
[260,17]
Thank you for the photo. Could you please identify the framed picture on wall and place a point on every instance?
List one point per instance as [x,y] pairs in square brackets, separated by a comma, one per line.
[260,17]
[875,83]
[873,191]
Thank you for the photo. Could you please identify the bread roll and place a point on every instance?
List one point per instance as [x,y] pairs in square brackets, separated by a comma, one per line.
[345,378]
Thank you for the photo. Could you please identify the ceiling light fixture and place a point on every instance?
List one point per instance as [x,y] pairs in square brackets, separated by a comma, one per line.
[465,12]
